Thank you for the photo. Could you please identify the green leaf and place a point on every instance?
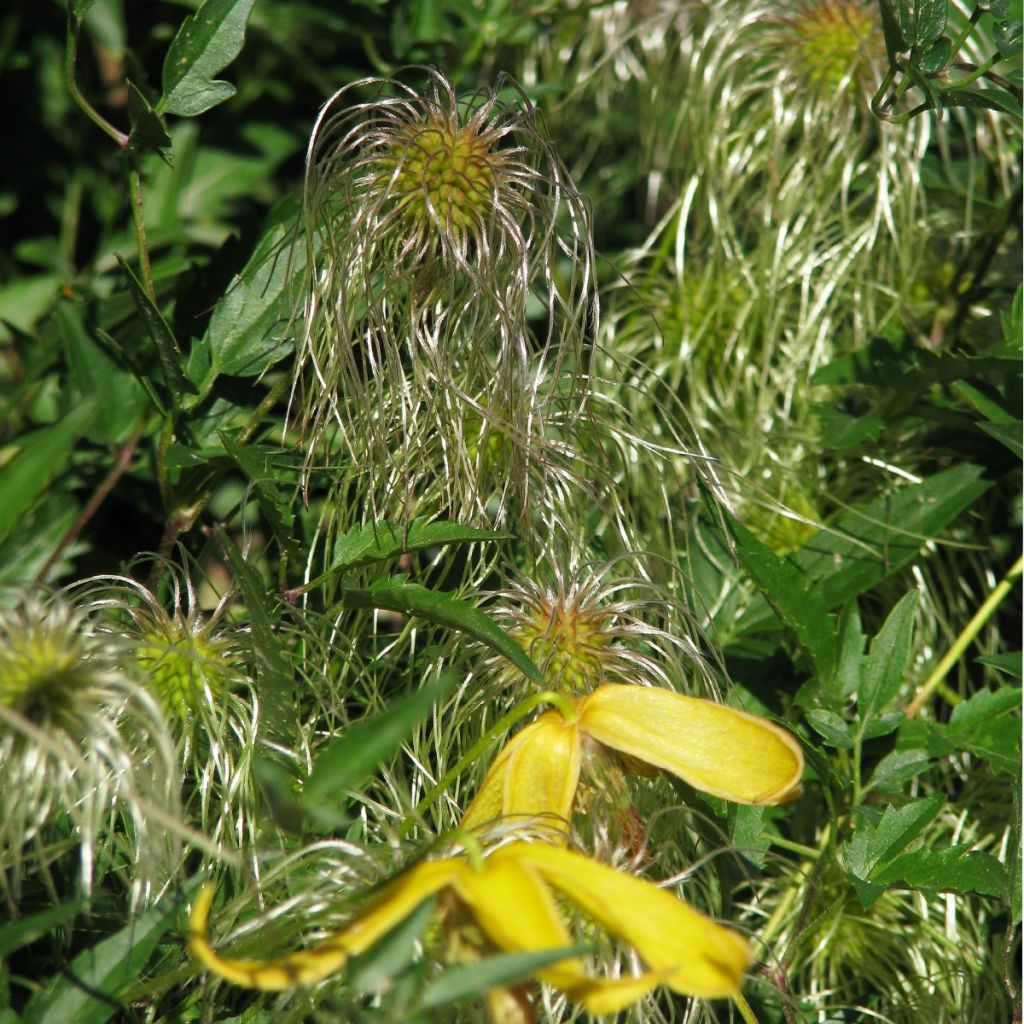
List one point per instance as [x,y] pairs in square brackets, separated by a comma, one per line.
[895,42]
[874,846]
[349,760]
[878,539]
[256,463]
[747,835]
[148,133]
[794,596]
[171,359]
[1008,35]
[1013,322]
[929,21]
[985,99]
[240,337]
[897,768]
[94,372]
[207,42]
[1009,663]
[851,651]
[832,728]
[843,431]
[1007,434]
[956,869]
[397,594]
[90,990]
[494,971]
[42,456]
[936,56]
[273,673]
[988,726]
[16,934]
[376,542]
[81,7]
[989,408]
[887,660]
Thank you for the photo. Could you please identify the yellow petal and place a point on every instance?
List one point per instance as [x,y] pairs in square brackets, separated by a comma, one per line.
[714,748]
[392,904]
[518,913]
[684,949]
[535,774]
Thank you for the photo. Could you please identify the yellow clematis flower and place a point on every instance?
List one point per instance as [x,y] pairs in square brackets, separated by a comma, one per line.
[716,749]
[511,894]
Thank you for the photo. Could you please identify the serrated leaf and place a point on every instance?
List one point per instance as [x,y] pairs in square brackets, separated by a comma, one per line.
[16,934]
[956,869]
[207,42]
[874,846]
[988,725]
[494,971]
[171,359]
[887,660]
[367,744]
[897,768]
[42,456]
[377,542]
[397,594]
[90,990]
[795,598]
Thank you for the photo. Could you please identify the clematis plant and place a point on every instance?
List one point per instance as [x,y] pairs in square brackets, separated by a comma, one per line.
[510,893]
[716,749]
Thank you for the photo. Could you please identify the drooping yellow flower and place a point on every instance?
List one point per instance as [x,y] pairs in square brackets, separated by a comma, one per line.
[511,895]
[716,749]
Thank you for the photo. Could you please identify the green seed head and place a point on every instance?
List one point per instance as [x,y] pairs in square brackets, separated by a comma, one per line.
[445,175]
[568,642]
[180,669]
[834,41]
[40,660]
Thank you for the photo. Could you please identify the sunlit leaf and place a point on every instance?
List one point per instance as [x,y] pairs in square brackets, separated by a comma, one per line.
[207,42]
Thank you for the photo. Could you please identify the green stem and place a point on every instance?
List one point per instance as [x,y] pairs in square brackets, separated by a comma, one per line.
[787,844]
[979,72]
[965,639]
[962,38]
[70,60]
[748,1015]
[135,185]
[475,752]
